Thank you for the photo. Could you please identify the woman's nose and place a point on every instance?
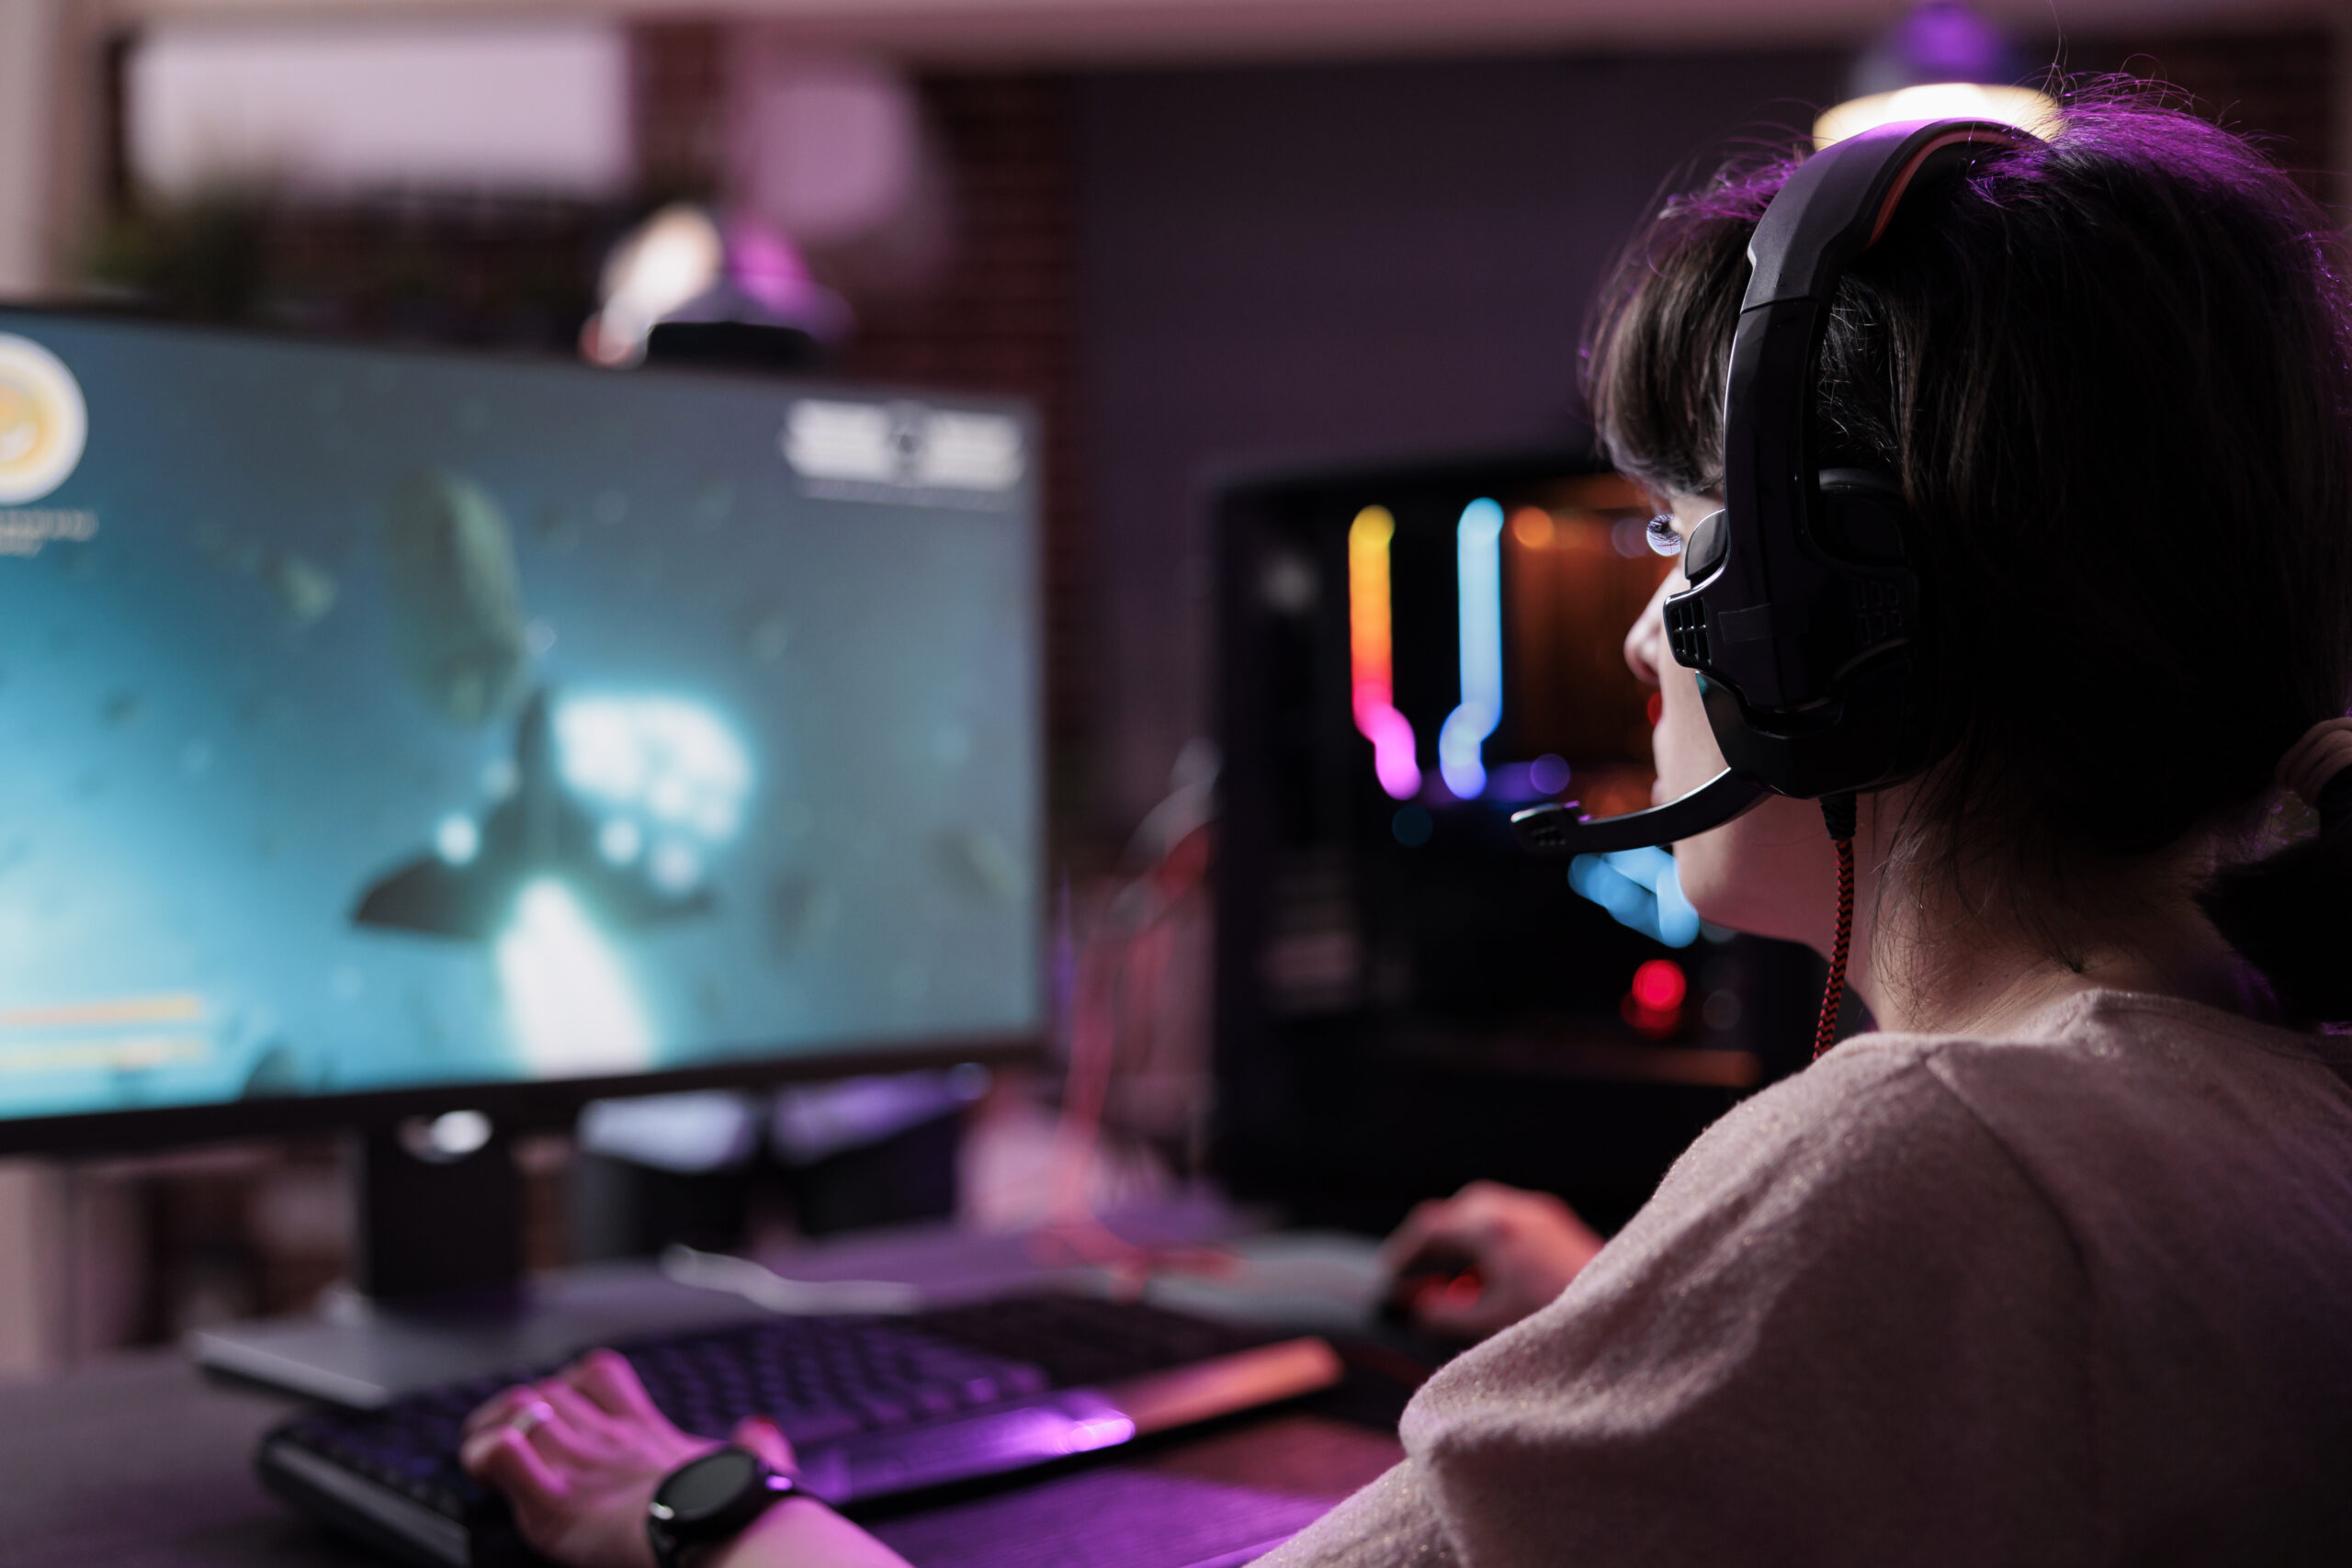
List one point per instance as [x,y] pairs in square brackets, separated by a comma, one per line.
[1646,639]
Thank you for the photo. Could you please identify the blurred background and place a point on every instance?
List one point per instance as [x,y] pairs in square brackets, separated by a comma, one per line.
[1194,233]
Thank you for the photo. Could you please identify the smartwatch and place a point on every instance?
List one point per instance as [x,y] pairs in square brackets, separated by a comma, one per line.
[711,1499]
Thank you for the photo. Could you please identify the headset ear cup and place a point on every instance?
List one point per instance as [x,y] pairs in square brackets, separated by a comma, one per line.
[1868,529]
[1864,519]
[1818,623]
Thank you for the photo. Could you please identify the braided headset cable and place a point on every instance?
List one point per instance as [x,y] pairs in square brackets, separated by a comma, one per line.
[1838,811]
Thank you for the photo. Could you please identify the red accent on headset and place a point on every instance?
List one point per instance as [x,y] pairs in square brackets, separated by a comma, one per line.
[1987,135]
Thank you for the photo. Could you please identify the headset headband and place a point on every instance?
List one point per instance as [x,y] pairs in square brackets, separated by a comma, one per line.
[1805,617]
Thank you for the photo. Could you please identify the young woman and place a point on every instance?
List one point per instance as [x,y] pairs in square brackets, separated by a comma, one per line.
[2057,1266]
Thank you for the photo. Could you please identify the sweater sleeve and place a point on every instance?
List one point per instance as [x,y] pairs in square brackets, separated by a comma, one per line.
[1389,1524]
[1846,1330]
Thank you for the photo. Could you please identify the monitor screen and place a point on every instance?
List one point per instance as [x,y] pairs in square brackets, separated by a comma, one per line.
[373,720]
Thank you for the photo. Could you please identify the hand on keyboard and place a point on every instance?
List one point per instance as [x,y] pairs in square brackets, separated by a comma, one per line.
[579,1454]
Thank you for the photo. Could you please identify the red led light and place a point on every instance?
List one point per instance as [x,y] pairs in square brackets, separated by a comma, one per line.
[1653,1003]
[1658,986]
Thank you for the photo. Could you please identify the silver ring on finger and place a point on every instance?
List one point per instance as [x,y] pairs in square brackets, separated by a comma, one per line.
[538,1413]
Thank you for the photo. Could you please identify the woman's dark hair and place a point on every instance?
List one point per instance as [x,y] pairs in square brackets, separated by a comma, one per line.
[2112,374]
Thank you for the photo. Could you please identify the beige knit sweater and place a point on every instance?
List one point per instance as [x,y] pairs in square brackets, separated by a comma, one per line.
[2079,1296]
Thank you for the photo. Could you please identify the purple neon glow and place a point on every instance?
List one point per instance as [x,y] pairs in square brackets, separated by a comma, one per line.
[1391,735]
[767,267]
[1371,656]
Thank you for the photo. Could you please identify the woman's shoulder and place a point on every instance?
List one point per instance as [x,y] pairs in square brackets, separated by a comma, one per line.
[2120,1105]
[2094,1055]
[2006,1232]
[1864,1187]
[1843,1250]
[2076,1126]
[2105,1069]
[1879,1103]
[1888,1128]
[1826,1184]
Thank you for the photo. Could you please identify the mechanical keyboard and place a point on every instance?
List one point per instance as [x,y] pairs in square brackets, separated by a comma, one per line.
[875,1406]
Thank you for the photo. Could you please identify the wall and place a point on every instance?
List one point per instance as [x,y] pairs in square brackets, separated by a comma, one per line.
[1001,318]
[1374,260]
[32,42]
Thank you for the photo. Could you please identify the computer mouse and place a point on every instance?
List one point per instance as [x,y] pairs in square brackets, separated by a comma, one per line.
[1437,1270]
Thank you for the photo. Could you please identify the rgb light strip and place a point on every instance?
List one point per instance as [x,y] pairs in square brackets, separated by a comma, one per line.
[1478,583]
[1371,655]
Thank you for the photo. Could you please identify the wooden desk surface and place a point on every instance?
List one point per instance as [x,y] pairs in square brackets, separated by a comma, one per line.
[139,1463]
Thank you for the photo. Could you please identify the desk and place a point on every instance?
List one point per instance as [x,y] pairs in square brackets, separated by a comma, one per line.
[138,1462]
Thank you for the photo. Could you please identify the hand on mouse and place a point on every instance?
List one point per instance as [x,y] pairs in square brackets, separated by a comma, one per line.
[1482,1259]
[579,1454]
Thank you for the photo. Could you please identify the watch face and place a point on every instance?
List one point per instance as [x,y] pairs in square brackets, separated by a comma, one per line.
[708,1485]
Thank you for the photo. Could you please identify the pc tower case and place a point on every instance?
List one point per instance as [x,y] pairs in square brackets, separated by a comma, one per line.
[1405,1002]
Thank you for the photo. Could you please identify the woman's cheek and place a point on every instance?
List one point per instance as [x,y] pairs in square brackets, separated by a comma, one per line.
[1763,872]
[1770,873]
[1705,869]
[1682,746]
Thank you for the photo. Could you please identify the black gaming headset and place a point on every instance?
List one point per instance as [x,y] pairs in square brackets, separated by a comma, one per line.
[1807,618]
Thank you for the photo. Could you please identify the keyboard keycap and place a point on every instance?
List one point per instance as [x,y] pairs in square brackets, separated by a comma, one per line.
[817,1427]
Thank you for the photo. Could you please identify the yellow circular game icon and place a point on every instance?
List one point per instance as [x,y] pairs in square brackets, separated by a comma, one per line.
[43,421]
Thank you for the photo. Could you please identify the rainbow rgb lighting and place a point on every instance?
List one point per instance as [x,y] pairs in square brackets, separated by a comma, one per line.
[1478,583]
[1371,655]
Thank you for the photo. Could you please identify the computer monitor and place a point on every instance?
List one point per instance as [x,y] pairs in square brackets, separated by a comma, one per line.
[385,732]
[1406,999]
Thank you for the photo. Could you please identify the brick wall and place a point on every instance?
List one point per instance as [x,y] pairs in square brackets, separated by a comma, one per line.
[2279,87]
[999,316]
[1003,319]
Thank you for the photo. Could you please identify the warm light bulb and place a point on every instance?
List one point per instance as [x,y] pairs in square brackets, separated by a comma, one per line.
[2022,106]
[676,256]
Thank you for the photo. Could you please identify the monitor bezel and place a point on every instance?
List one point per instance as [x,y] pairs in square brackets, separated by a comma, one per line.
[520,1104]
[552,1103]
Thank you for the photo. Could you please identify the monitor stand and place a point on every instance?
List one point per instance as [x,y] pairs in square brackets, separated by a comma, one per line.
[441,1294]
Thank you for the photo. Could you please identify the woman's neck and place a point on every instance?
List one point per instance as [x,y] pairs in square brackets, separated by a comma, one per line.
[1946,969]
